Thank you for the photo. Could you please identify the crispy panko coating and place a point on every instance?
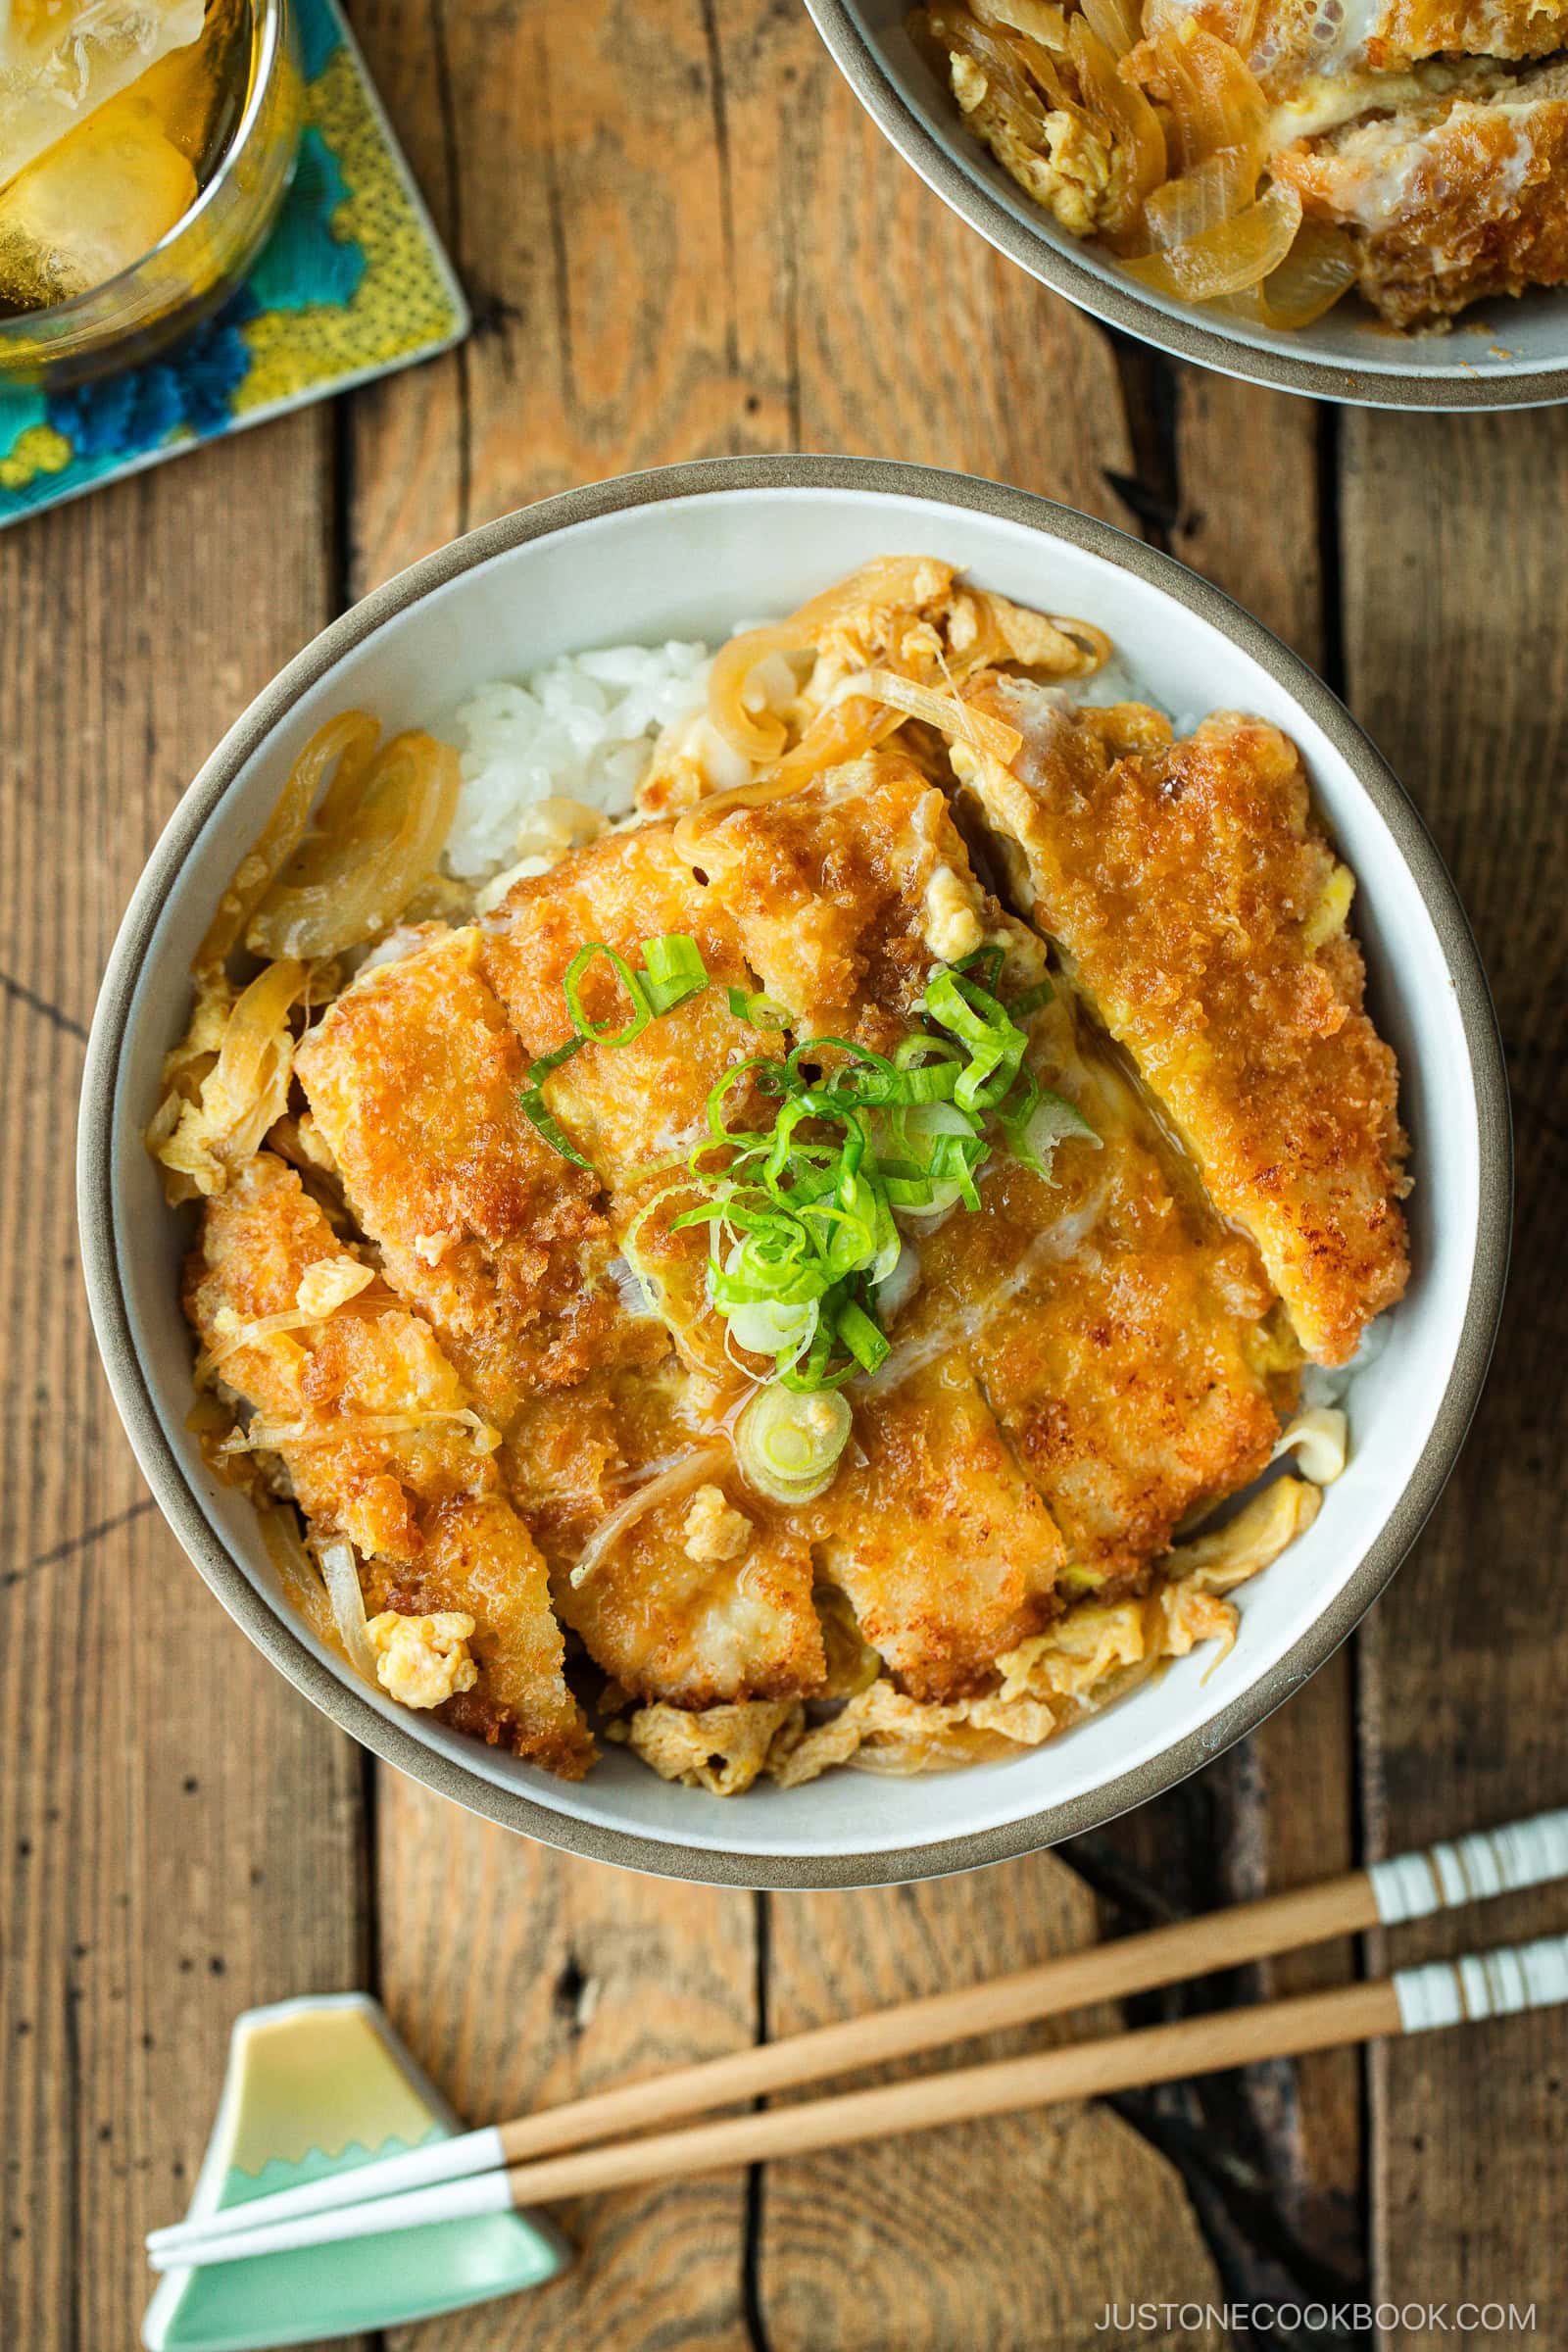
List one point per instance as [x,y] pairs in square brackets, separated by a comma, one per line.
[944,1549]
[1118,1334]
[1202,916]
[1283,40]
[1087,1657]
[420,1500]
[479,1561]
[846,894]
[634,1111]
[414,1081]
[667,1620]
[1452,198]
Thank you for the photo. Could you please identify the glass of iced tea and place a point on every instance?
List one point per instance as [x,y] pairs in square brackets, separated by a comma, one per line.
[145,146]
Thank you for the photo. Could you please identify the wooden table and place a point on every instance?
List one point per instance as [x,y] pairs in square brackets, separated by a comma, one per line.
[681,236]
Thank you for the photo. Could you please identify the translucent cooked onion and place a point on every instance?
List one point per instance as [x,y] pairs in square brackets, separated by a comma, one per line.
[754,733]
[1115,21]
[376,838]
[1201,200]
[340,1571]
[1323,264]
[298,1573]
[788,1445]
[1137,138]
[201,1140]
[1215,96]
[693,1470]
[1223,260]
[945,712]
[347,739]
[264,1435]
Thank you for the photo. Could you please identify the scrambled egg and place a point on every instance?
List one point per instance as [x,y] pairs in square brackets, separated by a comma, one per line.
[713,1529]
[423,1661]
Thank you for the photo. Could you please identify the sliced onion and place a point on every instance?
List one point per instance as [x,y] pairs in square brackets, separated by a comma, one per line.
[1137,137]
[1237,253]
[788,1445]
[1215,96]
[1201,200]
[298,1573]
[691,1471]
[340,1571]
[264,1435]
[376,840]
[348,739]
[1323,264]
[755,734]
[944,712]
[768,1327]
[1117,23]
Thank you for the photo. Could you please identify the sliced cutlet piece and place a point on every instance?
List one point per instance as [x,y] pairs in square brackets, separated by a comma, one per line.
[946,1552]
[707,1595]
[1119,1334]
[1329,50]
[416,1080]
[637,1110]
[1201,914]
[380,1442]
[1454,196]
[849,895]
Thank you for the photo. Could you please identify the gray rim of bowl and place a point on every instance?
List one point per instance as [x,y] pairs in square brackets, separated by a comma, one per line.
[271,1633]
[1119,305]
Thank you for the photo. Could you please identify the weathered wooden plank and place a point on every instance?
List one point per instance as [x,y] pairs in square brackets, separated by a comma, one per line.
[1457,664]
[1016,2232]
[178,1832]
[521,1976]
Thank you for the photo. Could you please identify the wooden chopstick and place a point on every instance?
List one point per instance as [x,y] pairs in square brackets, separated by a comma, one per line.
[1491,1862]
[1415,2000]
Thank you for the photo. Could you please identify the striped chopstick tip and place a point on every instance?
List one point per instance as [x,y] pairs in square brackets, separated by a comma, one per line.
[1471,1869]
[1482,1985]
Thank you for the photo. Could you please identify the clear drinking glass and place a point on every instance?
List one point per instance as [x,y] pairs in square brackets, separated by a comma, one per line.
[249,49]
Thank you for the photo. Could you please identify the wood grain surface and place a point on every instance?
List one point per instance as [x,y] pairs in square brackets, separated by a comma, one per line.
[681,236]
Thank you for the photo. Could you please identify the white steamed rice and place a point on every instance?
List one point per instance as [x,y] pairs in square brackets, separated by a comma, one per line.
[581,729]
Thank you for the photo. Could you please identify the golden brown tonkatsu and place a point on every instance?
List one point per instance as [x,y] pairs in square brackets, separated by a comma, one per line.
[380,1445]
[786,1273]
[1268,156]
[1202,916]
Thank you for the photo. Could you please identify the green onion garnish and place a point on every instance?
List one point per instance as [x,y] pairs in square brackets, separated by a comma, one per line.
[802,1213]
[760,1010]
[672,971]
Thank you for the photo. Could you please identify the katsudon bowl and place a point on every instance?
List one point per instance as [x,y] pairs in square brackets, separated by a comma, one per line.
[688,552]
[1504,354]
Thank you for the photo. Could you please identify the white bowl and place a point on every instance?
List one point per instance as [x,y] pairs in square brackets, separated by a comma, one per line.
[1501,355]
[685,553]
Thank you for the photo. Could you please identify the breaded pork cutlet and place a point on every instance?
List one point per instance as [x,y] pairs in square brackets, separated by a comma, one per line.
[1452,196]
[1119,1335]
[414,1079]
[1201,914]
[380,1442]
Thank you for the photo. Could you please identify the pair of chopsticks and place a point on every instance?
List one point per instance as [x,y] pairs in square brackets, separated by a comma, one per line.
[537,2158]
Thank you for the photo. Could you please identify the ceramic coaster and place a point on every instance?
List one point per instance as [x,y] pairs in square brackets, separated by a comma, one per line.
[352,283]
[316,2087]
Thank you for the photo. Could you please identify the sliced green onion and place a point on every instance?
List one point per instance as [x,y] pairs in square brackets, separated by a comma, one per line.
[761,1011]
[1031,1000]
[1053,1120]
[641,1012]
[675,970]
[550,1127]
[866,1340]
[788,1445]
[986,963]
